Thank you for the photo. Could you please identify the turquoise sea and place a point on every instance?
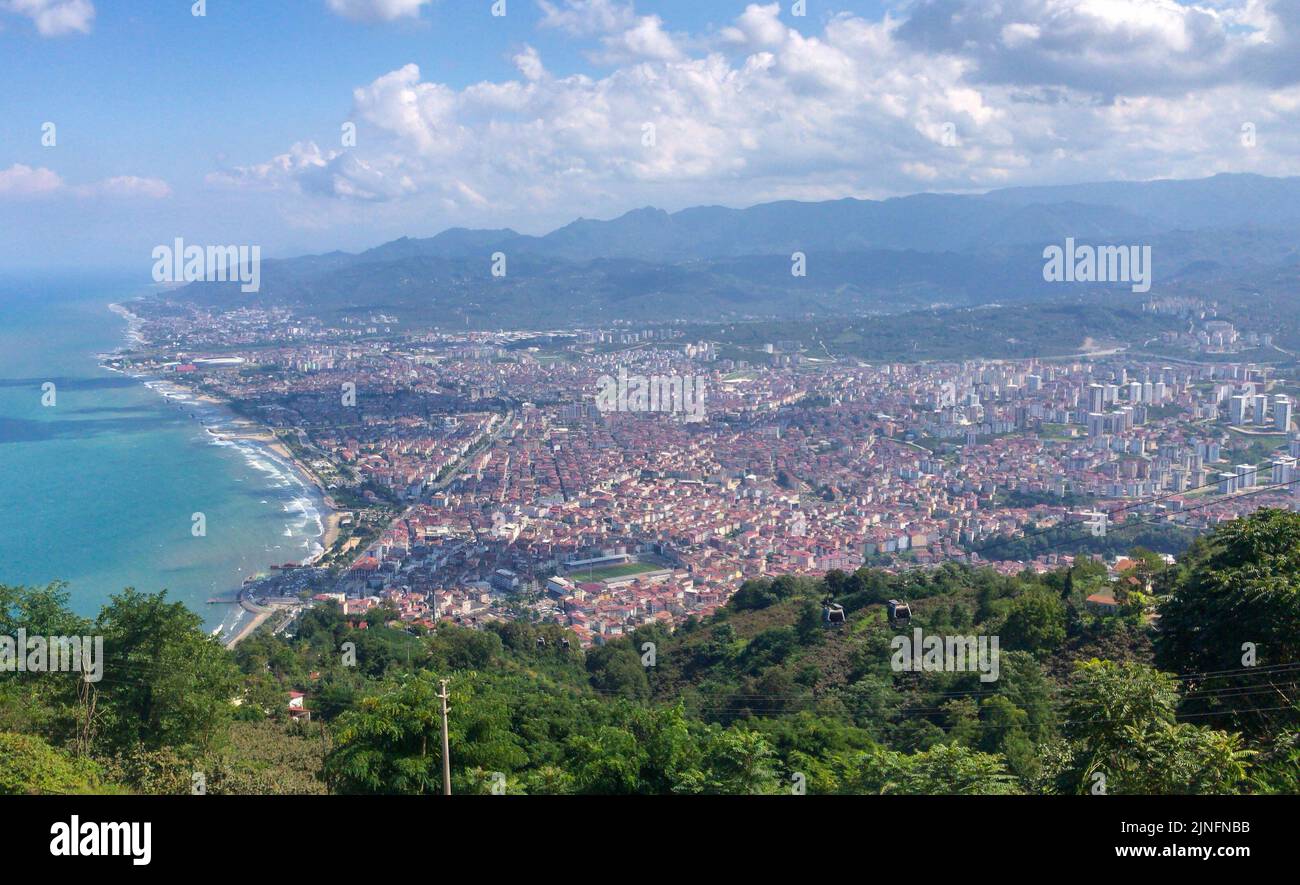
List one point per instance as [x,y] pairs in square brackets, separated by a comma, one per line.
[99,489]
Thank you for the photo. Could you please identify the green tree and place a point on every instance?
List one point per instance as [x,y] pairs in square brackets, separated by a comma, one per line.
[1006,732]
[617,669]
[1234,615]
[1120,718]
[30,766]
[738,763]
[1035,621]
[167,683]
[809,626]
[943,769]
[391,742]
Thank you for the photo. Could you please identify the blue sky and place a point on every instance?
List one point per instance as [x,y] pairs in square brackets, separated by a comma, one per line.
[252,76]
[226,127]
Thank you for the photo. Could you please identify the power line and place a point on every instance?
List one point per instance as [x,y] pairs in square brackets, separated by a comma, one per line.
[1273,670]
[1227,691]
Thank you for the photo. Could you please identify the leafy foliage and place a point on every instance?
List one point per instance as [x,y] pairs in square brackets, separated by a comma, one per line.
[761,697]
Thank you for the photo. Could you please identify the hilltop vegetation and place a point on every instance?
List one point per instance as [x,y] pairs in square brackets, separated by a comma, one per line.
[763,697]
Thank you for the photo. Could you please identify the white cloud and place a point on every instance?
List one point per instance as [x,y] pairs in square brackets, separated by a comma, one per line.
[920,171]
[1018,34]
[584,18]
[624,36]
[300,159]
[1105,46]
[758,27]
[529,63]
[988,95]
[308,169]
[377,10]
[132,186]
[26,182]
[644,40]
[55,18]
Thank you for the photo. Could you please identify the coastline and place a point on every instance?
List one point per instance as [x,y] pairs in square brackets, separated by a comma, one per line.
[268,441]
[236,429]
[133,325]
[246,627]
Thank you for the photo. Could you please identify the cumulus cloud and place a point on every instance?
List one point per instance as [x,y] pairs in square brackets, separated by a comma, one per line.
[795,120]
[758,27]
[644,40]
[307,168]
[624,36]
[583,18]
[529,63]
[55,18]
[1110,46]
[957,95]
[297,162]
[131,186]
[26,182]
[377,10]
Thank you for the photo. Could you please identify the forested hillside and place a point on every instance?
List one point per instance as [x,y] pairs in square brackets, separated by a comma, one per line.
[1189,684]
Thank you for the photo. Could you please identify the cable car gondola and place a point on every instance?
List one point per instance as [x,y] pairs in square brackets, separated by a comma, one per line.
[833,614]
[900,614]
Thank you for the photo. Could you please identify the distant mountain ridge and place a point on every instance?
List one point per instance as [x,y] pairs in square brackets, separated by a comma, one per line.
[923,222]
[1223,201]
[720,263]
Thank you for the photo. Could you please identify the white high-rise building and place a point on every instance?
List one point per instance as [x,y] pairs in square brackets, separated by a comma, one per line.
[1096,398]
[1282,412]
[1261,409]
[1245,476]
[1096,424]
[1237,410]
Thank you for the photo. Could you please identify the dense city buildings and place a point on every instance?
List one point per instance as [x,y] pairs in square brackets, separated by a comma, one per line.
[553,476]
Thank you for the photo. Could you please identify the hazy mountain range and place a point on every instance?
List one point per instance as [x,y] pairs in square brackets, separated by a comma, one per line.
[714,263]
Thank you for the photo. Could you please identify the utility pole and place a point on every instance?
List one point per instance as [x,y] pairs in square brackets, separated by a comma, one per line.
[446,749]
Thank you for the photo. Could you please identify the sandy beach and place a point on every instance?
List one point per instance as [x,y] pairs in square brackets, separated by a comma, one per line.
[268,440]
[248,627]
[238,428]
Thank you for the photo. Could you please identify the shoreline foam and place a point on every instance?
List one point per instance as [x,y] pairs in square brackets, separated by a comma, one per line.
[264,452]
